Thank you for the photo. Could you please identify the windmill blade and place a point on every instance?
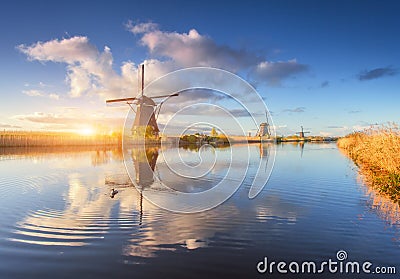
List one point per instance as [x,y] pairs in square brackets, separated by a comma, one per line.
[121,100]
[165,96]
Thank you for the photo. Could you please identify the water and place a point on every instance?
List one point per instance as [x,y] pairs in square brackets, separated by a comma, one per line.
[57,219]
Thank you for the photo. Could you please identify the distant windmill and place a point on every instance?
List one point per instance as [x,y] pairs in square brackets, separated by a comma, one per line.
[301,134]
[145,123]
[264,129]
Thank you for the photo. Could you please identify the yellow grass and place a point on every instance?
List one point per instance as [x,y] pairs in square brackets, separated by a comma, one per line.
[29,139]
[377,152]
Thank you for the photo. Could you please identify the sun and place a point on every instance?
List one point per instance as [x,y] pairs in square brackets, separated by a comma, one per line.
[88,131]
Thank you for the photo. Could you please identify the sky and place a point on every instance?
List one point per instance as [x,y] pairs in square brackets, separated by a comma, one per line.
[330,66]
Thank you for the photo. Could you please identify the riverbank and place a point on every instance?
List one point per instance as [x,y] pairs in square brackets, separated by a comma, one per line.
[37,139]
[248,139]
[377,153]
[43,139]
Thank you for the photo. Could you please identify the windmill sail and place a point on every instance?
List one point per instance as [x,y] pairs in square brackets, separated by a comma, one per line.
[120,100]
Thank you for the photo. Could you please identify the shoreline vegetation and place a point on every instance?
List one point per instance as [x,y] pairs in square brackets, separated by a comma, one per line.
[43,139]
[220,139]
[376,151]
[37,139]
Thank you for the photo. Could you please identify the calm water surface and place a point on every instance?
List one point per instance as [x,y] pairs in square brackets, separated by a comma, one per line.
[57,219]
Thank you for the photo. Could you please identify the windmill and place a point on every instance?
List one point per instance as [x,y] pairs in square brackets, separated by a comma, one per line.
[145,123]
[301,134]
[264,129]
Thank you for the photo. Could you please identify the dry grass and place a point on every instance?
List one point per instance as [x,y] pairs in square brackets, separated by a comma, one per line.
[377,152]
[32,139]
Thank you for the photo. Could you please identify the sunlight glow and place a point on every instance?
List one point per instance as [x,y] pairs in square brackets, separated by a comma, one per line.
[88,131]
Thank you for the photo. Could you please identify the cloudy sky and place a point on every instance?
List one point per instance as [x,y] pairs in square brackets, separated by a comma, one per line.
[332,67]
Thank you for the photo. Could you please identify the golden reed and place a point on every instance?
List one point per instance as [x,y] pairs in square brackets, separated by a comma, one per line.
[33,139]
[376,151]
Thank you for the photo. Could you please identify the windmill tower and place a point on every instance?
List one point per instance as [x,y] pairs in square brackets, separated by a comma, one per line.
[301,134]
[145,123]
[264,130]
[145,119]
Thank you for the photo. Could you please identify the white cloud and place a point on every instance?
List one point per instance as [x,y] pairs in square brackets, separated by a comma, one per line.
[71,120]
[42,117]
[193,49]
[54,96]
[39,93]
[71,50]
[33,93]
[210,111]
[295,110]
[358,128]
[42,84]
[79,80]
[141,27]
[275,72]
[325,134]
[9,126]
[91,72]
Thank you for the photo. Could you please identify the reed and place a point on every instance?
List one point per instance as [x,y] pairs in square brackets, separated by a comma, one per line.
[32,139]
[376,151]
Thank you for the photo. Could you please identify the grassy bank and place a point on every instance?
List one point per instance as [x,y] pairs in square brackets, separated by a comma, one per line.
[377,153]
[33,139]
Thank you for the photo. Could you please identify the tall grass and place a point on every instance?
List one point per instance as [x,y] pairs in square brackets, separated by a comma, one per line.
[33,139]
[377,153]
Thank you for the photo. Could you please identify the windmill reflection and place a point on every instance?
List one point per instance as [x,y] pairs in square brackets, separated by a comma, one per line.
[144,161]
[265,150]
[301,144]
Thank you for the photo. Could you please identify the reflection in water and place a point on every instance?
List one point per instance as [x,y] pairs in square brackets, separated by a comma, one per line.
[265,149]
[298,144]
[301,144]
[144,160]
[384,207]
[86,212]
[190,231]
[99,155]
[76,224]
[303,214]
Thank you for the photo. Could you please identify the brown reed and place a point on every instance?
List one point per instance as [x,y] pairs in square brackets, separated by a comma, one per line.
[376,151]
[33,138]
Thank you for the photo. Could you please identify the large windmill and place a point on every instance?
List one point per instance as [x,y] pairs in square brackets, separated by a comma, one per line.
[145,123]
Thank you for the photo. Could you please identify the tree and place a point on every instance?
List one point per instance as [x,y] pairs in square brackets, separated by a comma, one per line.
[214,132]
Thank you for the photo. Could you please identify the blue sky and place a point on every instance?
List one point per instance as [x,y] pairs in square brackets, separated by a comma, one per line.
[332,67]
